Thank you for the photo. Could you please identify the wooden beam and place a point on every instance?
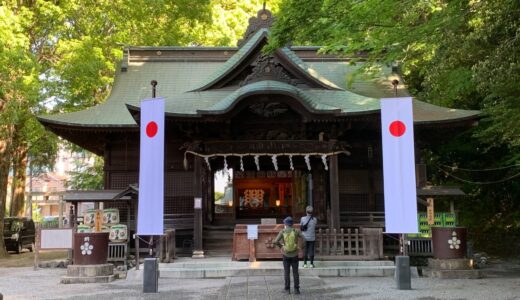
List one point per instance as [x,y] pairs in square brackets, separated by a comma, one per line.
[198,251]
[334,193]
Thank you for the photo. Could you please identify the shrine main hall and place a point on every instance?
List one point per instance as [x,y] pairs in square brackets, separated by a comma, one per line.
[288,128]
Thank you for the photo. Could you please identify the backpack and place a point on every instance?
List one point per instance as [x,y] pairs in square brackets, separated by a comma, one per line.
[290,243]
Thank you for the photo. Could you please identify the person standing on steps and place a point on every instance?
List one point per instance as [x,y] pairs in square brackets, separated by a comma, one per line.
[290,237]
[308,227]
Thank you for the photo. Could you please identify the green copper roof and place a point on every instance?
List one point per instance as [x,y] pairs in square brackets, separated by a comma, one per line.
[308,69]
[254,45]
[180,83]
[310,101]
[235,60]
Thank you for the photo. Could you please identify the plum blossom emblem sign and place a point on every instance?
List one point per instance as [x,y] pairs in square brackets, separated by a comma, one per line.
[454,242]
[86,248]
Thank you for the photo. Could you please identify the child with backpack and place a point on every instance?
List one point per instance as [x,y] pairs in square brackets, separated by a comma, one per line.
[290,237]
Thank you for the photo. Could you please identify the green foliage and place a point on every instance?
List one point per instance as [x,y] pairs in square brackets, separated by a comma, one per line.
[218,196]
[462,54]
[87,176]
[62,55]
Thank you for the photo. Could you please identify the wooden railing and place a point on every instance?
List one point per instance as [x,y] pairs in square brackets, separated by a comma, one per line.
[362,244]
[166,249]
[363,218]
[117,252]
[420,247]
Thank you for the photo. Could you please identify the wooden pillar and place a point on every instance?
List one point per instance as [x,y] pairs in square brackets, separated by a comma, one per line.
[73,212]
[61,206]
[371,180]
[128,225]
[334,193]
[136,238]
[198,252]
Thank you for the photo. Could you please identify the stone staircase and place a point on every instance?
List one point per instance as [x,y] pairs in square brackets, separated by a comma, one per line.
[221,267]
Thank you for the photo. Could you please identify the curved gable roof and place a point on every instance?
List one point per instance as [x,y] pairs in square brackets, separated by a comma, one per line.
[251,49]
[308,100]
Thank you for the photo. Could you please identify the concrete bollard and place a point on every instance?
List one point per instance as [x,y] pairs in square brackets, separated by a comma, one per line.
[403,276]
[151,275]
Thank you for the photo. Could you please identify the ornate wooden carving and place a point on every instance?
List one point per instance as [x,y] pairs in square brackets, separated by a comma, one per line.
[268,110]
[268,67]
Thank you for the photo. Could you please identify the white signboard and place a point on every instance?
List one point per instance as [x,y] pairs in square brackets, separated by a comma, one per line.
[252,232]
[268,221]
[56,239]
[198,203]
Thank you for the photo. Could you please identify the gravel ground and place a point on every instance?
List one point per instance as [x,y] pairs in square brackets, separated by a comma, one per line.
[25,283]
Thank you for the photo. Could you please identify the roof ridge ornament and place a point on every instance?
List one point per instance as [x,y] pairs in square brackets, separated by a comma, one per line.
[264,19]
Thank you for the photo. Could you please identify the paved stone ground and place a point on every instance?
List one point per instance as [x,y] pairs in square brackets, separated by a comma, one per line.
[24,283]
[269,287]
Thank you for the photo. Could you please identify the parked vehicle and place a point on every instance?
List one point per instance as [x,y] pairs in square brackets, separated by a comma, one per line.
[19,233]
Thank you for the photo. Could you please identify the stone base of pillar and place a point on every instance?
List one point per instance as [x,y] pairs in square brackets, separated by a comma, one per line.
[453,268]
[198,254]
[89,274]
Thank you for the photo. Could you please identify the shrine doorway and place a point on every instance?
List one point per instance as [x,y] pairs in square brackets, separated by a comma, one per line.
[253,195]
[263,197]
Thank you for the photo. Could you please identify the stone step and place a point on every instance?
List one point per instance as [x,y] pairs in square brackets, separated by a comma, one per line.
[272,264]
[218,233]
[218,239]
[456,274]
[378,271]
[223,268]
[94,279]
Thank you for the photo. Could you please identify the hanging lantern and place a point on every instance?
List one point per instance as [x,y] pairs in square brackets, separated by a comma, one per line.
[275,162]
[257,162]
[206,159]
[324,160]
[308,162]
[241,164]
[291,166]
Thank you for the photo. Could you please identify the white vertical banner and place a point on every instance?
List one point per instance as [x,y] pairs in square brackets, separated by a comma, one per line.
[151,168]
[399,165]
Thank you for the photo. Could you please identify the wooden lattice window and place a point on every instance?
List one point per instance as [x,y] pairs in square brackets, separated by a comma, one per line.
[179,184]
[121,180]
[353,181]
[353,202]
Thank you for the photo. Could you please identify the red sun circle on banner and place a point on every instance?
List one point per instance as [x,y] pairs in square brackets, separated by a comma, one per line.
[151,129]
[397,128]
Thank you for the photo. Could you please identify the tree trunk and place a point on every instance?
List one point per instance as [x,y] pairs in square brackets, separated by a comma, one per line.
[5,160]
[19,178]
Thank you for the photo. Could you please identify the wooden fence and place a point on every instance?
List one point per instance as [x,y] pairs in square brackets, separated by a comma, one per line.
[166,249]
[420,247]
[352,244]
[363,218]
